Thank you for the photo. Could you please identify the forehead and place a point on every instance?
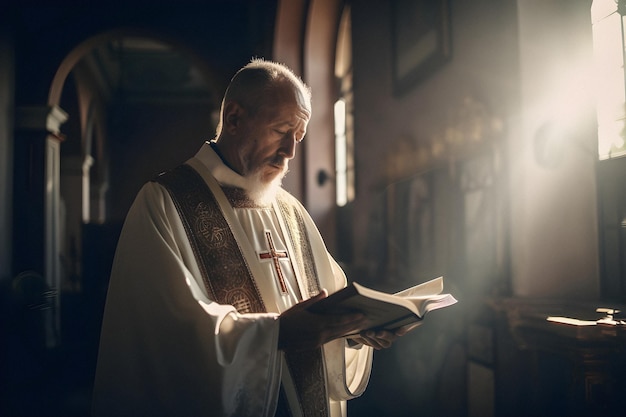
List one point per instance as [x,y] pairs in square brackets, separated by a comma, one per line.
[286,101]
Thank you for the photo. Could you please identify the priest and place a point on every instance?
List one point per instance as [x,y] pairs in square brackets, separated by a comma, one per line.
[206,312]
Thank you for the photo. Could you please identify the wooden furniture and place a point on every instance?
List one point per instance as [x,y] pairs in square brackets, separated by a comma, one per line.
[573,364]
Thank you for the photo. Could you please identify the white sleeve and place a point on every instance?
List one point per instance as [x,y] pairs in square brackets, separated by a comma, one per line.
[348,369]
[173,347]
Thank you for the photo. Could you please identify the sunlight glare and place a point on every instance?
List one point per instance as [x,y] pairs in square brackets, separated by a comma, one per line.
[609,77]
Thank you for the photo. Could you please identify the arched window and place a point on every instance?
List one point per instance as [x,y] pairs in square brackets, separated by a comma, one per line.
[344,125]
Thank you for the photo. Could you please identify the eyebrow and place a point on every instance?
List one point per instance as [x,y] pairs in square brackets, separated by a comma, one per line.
[291,125]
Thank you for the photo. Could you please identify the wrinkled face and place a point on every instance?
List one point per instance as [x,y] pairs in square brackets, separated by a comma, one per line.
[271,135]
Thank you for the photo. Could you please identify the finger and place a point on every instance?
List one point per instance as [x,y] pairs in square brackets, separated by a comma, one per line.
[381,339]
[405,329]
[306,303]
[386,337]
[356,340]
[367,341]
[370,340]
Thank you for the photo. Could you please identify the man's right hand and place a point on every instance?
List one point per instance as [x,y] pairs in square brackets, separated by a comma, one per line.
[301,330]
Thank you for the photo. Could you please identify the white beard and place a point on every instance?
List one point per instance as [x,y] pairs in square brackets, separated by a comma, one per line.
[262,193]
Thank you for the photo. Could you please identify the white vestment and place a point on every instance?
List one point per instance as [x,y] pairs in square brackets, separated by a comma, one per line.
[166,349]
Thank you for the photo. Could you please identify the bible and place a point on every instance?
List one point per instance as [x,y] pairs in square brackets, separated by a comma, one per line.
[383,310]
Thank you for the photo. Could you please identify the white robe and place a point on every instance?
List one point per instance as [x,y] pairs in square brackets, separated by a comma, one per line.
[166,349]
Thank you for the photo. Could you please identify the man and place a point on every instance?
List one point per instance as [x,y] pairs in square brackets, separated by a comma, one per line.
[215,267]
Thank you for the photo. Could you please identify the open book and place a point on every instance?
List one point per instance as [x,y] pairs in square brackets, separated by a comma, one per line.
[387,311]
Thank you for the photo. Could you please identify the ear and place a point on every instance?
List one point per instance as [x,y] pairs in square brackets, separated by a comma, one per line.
[233,114]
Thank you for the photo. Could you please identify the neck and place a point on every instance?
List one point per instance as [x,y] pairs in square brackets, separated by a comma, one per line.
[216,148]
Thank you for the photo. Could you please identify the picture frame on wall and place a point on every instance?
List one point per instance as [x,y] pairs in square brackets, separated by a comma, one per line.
[421,40]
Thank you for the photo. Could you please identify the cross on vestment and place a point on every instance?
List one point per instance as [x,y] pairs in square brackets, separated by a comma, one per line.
[276,257]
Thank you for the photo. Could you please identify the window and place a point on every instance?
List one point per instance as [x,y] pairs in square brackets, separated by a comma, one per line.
[344,126]
[608,39]
[608,36]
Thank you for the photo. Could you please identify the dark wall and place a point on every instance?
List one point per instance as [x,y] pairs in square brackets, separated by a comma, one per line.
[148,139]
[224,33]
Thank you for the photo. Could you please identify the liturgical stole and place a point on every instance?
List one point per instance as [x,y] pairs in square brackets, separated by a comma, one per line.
[228,279]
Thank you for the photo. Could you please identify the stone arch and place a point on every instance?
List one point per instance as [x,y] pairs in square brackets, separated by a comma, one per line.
[76,54]
[84,176]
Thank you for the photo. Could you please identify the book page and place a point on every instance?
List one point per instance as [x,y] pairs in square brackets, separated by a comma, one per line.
[425,304]
[432,287]
[385,310]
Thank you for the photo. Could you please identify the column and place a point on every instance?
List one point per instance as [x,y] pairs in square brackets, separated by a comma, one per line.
[37,204]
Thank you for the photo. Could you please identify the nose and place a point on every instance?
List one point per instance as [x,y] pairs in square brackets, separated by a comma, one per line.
[288,146]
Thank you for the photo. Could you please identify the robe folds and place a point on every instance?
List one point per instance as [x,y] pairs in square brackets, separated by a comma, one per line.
[168,349]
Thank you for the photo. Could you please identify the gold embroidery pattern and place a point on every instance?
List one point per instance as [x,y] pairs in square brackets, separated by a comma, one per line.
[297,232]
[223,267]
[239,299]
[212,236]
[307,366]
[227,277]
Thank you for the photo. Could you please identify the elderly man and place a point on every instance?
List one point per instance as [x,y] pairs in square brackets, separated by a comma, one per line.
[206,313]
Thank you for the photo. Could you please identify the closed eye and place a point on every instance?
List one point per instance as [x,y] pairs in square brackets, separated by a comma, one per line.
[299,136]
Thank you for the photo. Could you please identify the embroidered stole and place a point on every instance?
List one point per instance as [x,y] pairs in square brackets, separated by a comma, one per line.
[228,279]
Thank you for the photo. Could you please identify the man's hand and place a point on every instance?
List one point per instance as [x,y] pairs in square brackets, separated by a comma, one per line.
[300,329]
[379,339]
[382,339]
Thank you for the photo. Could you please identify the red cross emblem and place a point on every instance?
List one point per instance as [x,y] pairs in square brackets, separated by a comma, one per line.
[275,256]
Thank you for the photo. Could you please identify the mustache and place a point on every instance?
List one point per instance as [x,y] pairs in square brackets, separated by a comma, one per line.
[278,161]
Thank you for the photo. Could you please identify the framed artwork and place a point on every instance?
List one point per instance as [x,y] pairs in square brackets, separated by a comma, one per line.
[421,41]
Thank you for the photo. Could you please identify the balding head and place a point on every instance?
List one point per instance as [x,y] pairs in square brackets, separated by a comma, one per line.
[254,86]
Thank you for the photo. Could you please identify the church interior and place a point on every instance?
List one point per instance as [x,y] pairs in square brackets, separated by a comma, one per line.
[482,141]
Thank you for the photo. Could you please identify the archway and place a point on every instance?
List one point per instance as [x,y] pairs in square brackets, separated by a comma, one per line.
[116,75]
[126,95]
